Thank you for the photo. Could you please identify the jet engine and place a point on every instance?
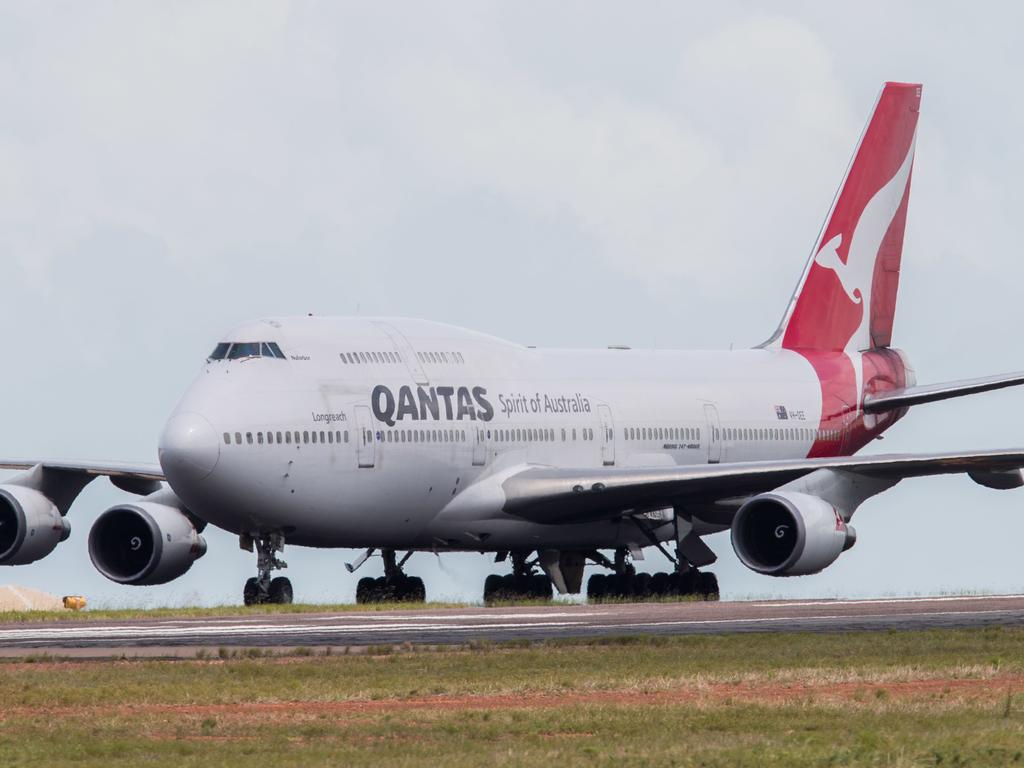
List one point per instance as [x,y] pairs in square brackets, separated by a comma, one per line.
[144,543]
[786,533]
[31,526]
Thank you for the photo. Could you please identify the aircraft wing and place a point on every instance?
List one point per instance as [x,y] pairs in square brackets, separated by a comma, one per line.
[128,476]
[929,393]
[552,495]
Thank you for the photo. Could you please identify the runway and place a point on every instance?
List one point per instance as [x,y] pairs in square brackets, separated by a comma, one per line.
[445,626]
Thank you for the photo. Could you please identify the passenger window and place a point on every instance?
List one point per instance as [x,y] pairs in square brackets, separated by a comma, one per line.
[227,438]
[314,438]
[421,357]
[238,438]
[288,438]
[248,438]
[259,438]
[330,438]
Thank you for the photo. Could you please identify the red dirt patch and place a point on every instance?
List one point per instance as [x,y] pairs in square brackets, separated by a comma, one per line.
[753,693]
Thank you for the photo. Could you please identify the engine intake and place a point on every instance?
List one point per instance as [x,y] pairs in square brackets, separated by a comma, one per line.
[31,526]
[785,533]
[144,543]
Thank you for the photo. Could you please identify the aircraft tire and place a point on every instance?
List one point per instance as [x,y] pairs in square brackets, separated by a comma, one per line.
[251,591]
[641,586]
[492,586]
[661,584]
[540,587]
[280,592]
[366,590]
[414,590]
[596,586]
[709,586]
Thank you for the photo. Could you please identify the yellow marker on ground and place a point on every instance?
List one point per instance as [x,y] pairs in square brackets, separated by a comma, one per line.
[74,602]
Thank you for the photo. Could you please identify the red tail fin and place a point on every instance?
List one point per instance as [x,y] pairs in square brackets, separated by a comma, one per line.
[846,298]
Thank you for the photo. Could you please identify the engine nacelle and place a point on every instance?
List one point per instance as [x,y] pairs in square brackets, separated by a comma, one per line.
[786,533]
[31,526]
[144,543]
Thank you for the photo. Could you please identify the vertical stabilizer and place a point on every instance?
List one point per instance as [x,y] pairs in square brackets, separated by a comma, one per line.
[846,298]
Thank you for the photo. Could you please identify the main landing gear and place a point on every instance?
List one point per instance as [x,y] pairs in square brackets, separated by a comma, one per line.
[394,586]
[524,583]
[262,588]
[624,583]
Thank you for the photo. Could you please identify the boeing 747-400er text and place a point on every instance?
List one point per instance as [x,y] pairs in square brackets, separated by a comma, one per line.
[404,436]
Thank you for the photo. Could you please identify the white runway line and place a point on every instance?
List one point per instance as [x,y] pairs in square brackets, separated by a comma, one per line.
[140,633]
[885,600]
[832,617]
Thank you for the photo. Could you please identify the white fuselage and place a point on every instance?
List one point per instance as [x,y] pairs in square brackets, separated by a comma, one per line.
[377,453]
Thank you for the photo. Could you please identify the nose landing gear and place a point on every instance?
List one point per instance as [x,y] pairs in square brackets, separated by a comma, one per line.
[262,588]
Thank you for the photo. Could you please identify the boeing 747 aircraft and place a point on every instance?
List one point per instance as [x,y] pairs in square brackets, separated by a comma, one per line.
[399,436]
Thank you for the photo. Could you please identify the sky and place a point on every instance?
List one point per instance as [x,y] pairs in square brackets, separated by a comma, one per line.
[572,174]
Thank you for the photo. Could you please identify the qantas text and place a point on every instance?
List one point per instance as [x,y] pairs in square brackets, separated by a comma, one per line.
[430,403]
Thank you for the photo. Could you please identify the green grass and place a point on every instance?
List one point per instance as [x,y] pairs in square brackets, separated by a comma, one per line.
[18,617]
[751,699]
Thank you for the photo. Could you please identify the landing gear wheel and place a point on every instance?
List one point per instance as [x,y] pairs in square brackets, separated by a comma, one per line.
[251,591]
[366,591]
[280,592]
[596,587]
[399,589]
[414,590]
[540,587]
[709,586]
[261,588]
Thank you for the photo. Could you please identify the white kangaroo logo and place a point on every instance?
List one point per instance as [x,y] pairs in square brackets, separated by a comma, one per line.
[858,272]
[828,257]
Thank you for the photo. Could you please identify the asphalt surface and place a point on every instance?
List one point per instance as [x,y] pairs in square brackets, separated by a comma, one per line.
[440,626]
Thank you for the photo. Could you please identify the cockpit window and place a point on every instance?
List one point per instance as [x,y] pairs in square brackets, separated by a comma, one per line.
[244,349]
[220,351]
[240,350]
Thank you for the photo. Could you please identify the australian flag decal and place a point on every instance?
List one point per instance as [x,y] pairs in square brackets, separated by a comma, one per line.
[780,412]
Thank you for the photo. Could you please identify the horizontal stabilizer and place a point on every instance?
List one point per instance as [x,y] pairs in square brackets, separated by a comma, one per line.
[929,393]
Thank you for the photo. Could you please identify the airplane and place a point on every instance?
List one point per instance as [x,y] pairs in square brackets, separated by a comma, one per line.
[401,436]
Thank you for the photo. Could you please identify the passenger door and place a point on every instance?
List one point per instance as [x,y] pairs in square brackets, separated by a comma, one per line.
[366,442]
[607,435]
[714,434]
[479,447]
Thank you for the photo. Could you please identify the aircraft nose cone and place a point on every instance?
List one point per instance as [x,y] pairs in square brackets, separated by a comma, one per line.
[189,448]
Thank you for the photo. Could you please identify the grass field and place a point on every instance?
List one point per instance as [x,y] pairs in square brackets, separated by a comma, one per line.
[898,698]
